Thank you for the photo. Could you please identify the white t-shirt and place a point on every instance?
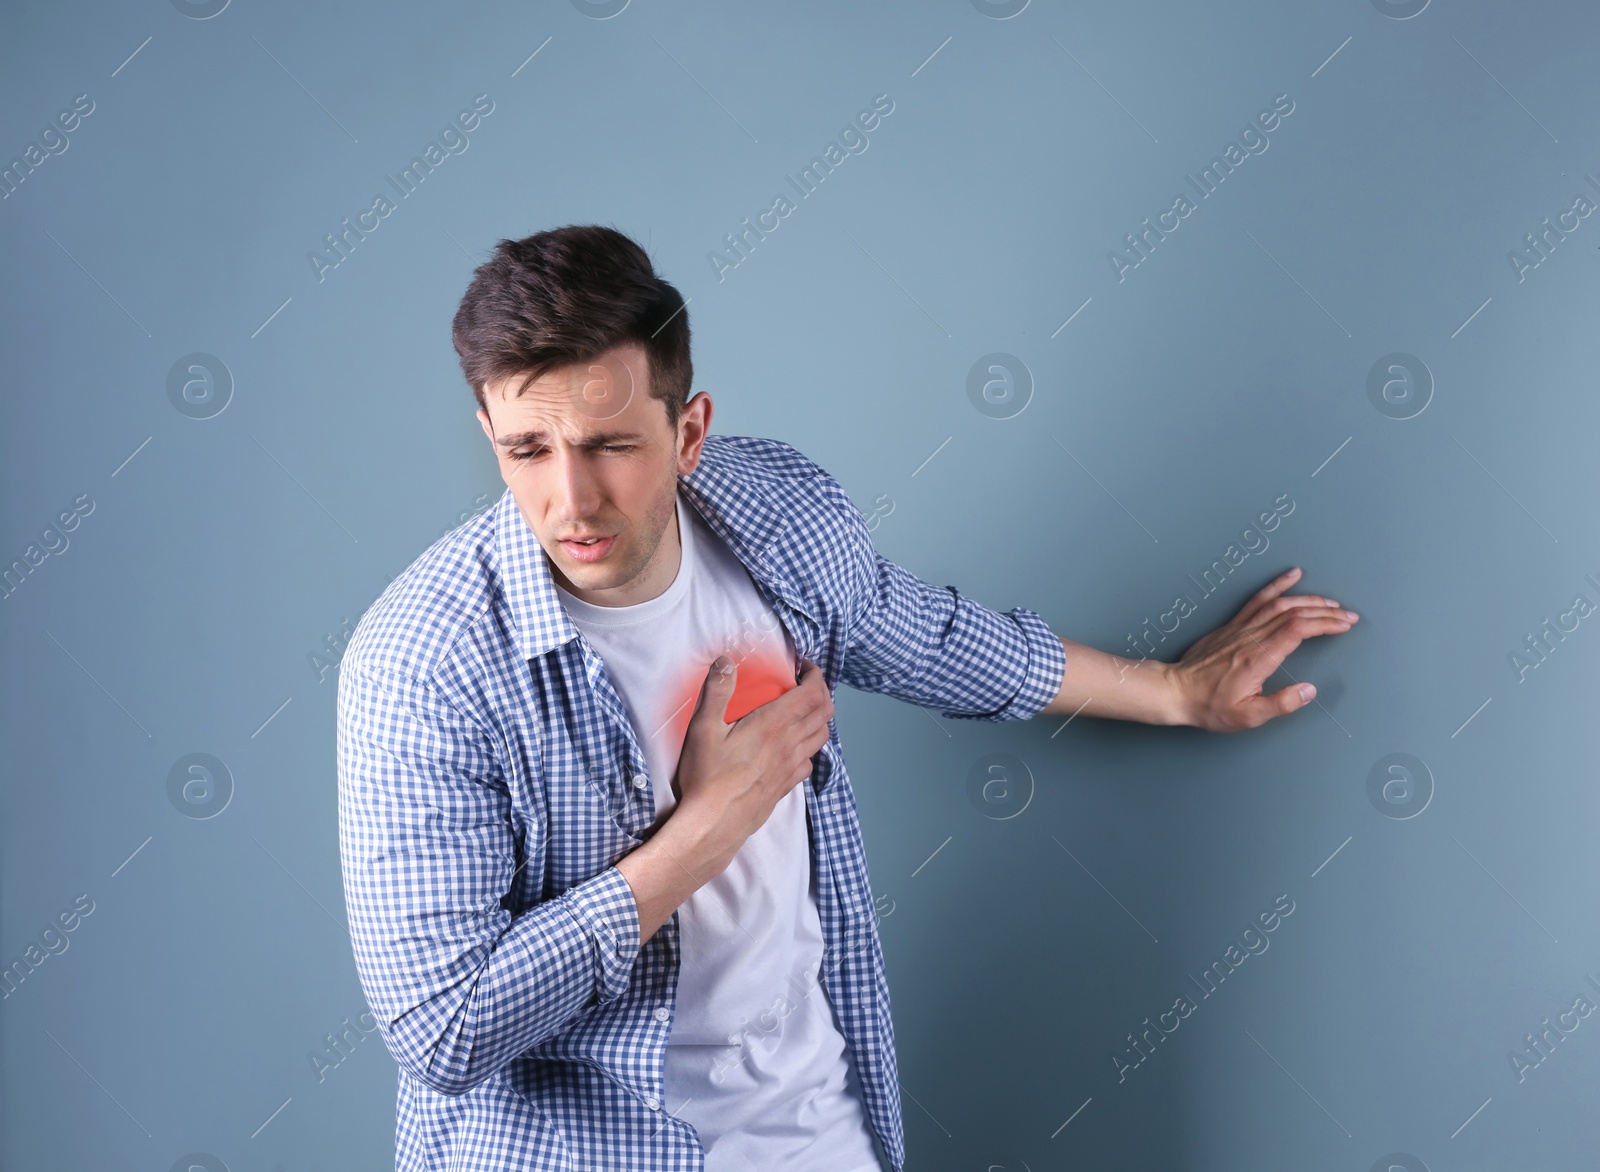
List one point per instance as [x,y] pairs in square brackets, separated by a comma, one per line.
[756,1061]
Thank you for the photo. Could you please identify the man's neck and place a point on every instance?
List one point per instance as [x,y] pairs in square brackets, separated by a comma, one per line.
[668,561]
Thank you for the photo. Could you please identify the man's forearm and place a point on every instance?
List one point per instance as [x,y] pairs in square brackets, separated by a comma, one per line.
[1097,683]
[687,850]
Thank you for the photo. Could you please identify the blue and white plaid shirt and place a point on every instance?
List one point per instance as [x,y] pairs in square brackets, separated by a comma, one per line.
[489,779]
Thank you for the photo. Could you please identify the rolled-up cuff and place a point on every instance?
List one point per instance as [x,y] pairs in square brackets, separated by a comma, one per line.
[1047,663]
[605,907]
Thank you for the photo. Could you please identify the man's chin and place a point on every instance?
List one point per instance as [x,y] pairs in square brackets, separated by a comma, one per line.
[580,577]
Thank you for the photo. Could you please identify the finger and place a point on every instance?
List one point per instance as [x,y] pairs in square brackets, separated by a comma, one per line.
[815,694]
[806,712]
[1307,606]
[1280,703]
[1276,641]
[811,676]
[1254,605]
[815,734]
[1287,602]
[1316,618]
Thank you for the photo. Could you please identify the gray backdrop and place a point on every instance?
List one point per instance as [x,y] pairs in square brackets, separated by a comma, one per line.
[225,434]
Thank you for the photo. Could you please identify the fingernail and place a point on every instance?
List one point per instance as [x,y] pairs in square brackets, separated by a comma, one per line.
[722,664]
[1307,691]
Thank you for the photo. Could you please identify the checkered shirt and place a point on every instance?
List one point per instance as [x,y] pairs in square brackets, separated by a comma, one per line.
[489,780]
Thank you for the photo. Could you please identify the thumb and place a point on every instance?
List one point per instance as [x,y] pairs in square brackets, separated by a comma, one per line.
[718,687]
[1260,709]
[1292,698]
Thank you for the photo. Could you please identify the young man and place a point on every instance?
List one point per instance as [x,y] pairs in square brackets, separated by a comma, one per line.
[604,875]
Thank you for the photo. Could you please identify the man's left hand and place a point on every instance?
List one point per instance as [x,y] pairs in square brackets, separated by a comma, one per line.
[1221,676]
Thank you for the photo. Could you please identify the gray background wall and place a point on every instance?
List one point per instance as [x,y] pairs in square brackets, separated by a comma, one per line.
[211,562]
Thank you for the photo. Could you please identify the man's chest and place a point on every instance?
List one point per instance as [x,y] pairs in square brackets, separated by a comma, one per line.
[575,760]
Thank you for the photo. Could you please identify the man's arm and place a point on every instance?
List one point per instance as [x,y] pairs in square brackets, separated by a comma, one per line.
[459,985]
[939,649]
[1216,685]
[934,646]
[1098,683]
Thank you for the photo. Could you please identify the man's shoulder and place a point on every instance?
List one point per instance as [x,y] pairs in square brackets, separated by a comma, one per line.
[819,542]
[759,457]
[416,623]
[786,475]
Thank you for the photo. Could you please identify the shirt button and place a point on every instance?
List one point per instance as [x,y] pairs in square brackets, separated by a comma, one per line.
[640,781]
[652,1102]
[663,1013]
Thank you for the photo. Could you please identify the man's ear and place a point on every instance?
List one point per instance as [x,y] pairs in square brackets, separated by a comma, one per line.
[693,424]
[488,426]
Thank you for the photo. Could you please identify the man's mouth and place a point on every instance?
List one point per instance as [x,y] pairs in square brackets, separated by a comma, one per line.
[590,549]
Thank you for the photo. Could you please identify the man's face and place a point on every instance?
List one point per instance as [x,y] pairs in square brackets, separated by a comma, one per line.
[587,452]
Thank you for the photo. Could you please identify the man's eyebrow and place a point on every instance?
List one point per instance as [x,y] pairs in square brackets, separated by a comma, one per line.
[589,441]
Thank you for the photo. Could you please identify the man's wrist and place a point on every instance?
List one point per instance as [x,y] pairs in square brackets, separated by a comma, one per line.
[1179,706]
[672,864]
[694,836]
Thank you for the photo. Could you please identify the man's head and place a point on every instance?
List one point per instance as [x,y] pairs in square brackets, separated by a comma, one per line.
[578,355]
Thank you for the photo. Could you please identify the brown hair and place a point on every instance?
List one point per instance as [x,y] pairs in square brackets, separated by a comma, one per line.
[566,295]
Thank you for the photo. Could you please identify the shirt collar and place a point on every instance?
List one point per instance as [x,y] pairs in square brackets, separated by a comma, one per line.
[733,496]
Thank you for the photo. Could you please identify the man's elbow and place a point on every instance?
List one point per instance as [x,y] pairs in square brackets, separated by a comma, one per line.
[449,1054]
[446,1077]
[441,1058]
[451,1081]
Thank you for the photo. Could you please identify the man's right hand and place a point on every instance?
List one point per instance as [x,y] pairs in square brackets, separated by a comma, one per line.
[734,774]
[730,776]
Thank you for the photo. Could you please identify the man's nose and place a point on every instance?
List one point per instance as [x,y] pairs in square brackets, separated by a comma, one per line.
[580,491]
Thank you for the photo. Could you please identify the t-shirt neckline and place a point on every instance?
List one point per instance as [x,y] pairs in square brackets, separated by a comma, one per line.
[650,608]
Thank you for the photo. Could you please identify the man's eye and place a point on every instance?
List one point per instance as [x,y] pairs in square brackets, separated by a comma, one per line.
[603,448]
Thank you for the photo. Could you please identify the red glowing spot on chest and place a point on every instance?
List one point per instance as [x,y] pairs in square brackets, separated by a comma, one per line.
[758,682]
[762,677]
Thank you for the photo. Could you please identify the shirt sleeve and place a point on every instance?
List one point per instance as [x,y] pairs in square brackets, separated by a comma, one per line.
[458,984]
[938,648]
